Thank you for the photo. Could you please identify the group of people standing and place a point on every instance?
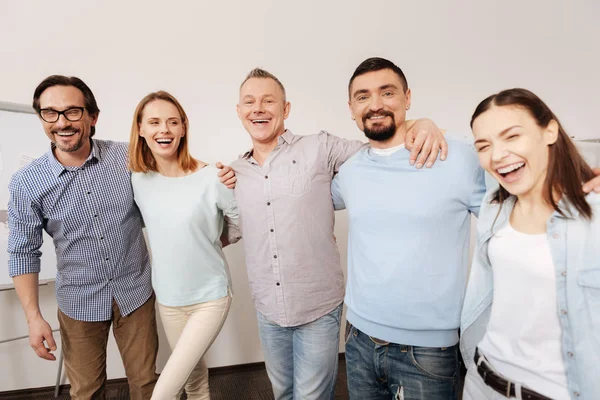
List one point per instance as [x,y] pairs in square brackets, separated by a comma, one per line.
[528,321]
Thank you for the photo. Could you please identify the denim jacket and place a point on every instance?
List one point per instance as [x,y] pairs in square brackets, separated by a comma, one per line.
[575,247]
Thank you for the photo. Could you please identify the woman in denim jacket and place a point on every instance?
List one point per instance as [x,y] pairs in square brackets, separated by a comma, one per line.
[531,318]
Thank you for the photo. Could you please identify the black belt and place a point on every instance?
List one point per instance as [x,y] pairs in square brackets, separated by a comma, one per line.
[501,385]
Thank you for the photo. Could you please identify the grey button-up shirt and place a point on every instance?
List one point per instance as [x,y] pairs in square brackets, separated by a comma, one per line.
[286,218]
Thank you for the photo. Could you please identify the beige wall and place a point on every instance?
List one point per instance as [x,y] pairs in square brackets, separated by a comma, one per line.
[453,53]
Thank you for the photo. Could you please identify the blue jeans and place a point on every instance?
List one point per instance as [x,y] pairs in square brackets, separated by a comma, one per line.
[381,370]
[302,361]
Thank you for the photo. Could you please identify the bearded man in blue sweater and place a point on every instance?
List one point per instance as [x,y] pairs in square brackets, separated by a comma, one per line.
[404,300]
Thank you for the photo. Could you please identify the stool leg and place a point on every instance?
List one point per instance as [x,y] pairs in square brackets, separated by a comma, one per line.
[59,374]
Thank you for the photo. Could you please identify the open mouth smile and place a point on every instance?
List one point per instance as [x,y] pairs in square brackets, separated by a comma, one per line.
[260,121]
[65,133]
[512,172]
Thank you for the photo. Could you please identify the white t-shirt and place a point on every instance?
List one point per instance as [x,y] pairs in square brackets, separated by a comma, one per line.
[523,338]
[388,151]
[184,220]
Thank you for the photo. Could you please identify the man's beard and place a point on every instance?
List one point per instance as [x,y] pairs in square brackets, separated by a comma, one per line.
[73,147]
[379,132]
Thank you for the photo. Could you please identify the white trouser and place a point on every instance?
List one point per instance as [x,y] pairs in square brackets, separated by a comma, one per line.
[190,331]
[476,389]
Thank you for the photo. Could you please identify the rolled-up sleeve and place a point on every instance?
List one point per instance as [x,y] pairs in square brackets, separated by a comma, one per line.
[25,224]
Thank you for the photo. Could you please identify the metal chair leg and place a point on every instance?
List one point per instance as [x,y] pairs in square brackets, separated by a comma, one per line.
[59,374]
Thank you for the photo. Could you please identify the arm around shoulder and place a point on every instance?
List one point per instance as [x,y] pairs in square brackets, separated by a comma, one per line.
[227,204]
[479,190]
[338,150]
[336,194]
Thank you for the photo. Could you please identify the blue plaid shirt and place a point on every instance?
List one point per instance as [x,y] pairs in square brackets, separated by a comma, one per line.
[96,227]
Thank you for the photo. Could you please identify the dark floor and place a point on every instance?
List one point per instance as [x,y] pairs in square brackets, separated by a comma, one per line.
[246,385]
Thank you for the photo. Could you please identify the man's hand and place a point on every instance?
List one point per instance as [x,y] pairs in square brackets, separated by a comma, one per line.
[425,141]
[40,332]
[594,184]
[227,175]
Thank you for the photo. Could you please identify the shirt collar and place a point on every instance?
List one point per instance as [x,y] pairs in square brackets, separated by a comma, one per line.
[287,137]
[57,168]
[568,210]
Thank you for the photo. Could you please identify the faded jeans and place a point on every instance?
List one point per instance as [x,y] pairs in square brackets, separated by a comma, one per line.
[302,361]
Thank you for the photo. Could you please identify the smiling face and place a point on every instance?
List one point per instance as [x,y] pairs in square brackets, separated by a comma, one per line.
[378,103]
[162,128]
[68,136]
[513,148]
[262,108]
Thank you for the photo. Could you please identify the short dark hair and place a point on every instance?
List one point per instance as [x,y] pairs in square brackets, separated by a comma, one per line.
[377,64]
[61,80]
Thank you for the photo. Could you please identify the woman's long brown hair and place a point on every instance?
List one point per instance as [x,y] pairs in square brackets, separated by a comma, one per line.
[567,170]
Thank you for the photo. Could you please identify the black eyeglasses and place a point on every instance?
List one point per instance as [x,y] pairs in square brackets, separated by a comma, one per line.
[72,114]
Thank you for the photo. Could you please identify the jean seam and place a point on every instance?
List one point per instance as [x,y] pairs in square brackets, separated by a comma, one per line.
[429,374]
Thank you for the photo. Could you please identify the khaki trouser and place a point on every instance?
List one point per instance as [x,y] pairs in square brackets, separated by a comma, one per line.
[190,331]
[84,351]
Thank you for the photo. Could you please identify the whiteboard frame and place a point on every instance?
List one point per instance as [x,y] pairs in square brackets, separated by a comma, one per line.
[16,107]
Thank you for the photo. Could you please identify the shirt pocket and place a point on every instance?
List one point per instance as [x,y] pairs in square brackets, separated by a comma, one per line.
[589,278]
[294,177]
[589,281]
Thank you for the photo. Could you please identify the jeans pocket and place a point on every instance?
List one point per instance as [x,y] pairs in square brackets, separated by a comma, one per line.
[435,362]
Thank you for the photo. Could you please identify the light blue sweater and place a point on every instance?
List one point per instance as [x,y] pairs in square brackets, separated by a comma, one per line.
[184,220]
[408,242]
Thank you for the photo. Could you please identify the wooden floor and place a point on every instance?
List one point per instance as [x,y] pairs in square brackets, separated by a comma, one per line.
[251,384]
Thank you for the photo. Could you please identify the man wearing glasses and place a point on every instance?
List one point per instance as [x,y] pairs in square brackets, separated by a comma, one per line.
[80,193]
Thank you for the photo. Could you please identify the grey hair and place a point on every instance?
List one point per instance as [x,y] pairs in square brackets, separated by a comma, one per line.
[261,73]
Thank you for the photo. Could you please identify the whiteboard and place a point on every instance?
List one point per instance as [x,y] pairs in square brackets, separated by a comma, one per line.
[23,140]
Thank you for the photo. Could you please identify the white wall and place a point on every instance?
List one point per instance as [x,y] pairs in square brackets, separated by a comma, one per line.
[453,53]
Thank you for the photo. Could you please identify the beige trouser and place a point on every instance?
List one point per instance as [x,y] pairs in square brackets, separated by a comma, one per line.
[190,331]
